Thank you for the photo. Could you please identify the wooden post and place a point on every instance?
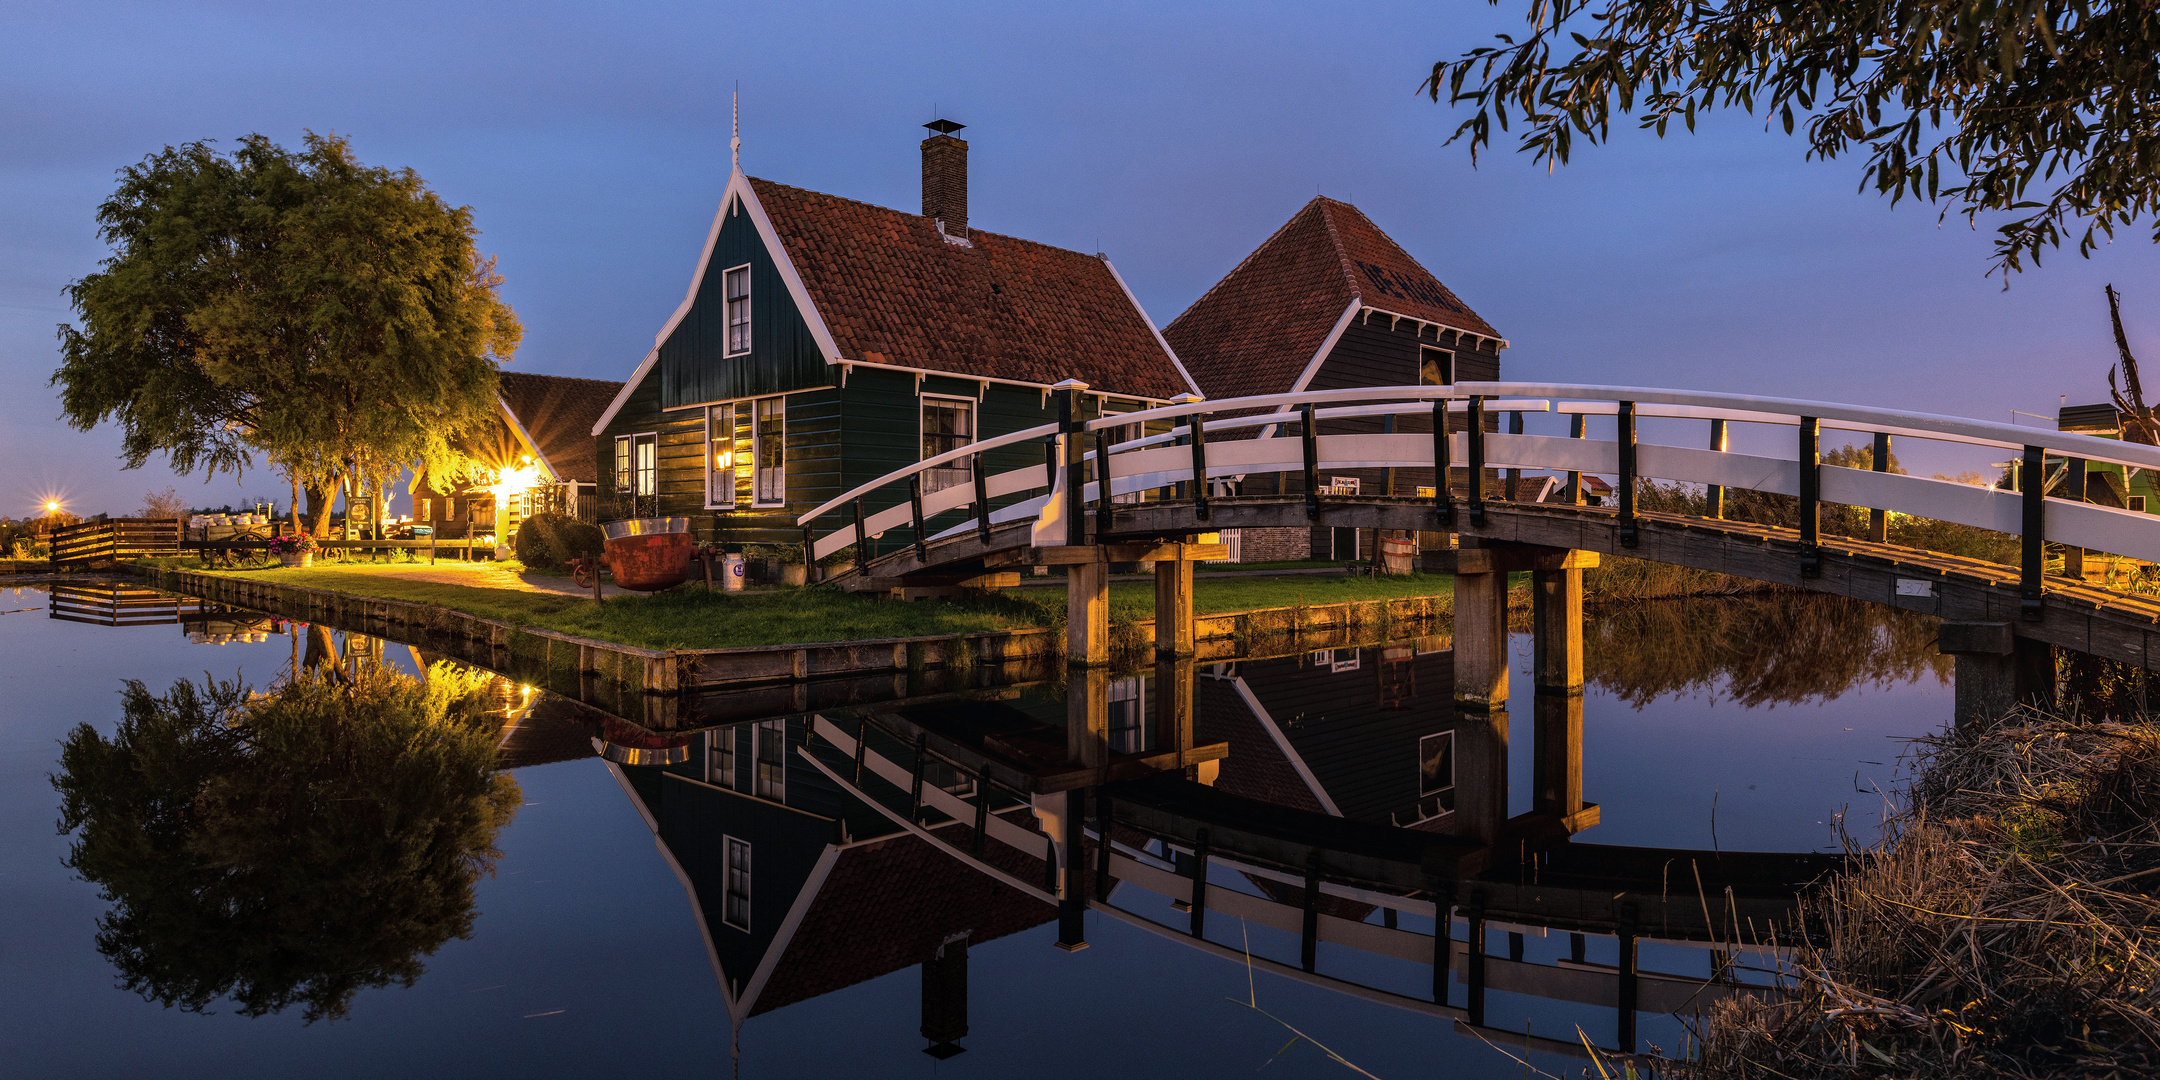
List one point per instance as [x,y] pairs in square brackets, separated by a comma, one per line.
[1627,978]
[1556,626]
[1311,439]
[1387,427]
[1173,606]
[1309,945]
[982,812]
[1514,476]
[1198,928]
[1475,969]
[1442,449]
[1625,437]
[1810,497]
[1476,432]
[1087,613]
[1199,466]
[1072,438]
[1556,783]
[1443,894]
[1879,460]
[1715,494]
[1996,670]
[1072,896]
[1481,658]
[2073,488]
[862,542]
[982,499]
[2031,482]
[1102,845]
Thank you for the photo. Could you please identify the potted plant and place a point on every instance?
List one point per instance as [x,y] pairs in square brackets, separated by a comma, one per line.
[294,550]
[793,571]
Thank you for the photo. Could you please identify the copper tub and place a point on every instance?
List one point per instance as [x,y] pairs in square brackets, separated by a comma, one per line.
[649,554]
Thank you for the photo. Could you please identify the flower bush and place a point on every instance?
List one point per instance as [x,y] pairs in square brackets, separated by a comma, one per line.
[282,546]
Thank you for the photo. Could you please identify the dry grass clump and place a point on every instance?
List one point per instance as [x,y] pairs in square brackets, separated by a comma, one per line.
[2006,925]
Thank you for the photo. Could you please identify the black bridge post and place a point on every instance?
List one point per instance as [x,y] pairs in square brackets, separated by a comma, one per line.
[1879,519]
[1199,466]
[862,543]
[1574,478]
[982,812]
[982,499]
[1311,437]
[1309,945]
[1102,483]
[1714,496]
[809,555]
[1514,476]
[1443,942]
[1072,435]
[2032,483]
[1625,438]
[914,494]
[1810,497]
[1072,900]
[2073,489]
[1102,845]
[1474,969]
[1443,495]
[1199,883]
[1626,965]
[1477,459]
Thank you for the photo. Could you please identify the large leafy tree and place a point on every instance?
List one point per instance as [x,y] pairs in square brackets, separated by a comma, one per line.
[331,316]
[289,848]
[2046,111]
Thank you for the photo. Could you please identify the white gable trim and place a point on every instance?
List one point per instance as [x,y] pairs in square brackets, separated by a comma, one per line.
[788,926]
[1319,356]
[738,191]
[519,427]
[1167,350]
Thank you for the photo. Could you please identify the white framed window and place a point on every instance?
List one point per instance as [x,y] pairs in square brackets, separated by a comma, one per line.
[737,284]
[769,451]
[645,463]
[720,455]
[2137,503]
[622,463]
[1436,763]
[427,509]
[735,906]
[1436,367]
[947,424]
[1128,729]
[772,760]
[720,757]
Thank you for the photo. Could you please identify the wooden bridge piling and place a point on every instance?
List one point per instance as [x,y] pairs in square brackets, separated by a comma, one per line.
[1556,743]
[1481,608]
[1173,607]
[1996,670]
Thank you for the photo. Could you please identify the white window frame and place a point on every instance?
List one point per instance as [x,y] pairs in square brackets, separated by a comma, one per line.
[962,472]
[729,845]
[638,442]
[1449,364]
[758,492]
[727,312]
[773,786]
[714,499]
[1449,757]
[624,463]
[721,745]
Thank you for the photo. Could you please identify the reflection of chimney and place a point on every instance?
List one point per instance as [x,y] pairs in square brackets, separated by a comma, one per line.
[944,996]
[944,178]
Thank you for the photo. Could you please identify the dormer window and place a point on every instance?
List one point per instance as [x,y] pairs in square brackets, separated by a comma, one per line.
[738,310]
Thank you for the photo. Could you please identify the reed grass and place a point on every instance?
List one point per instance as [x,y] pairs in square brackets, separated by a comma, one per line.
[2005,925]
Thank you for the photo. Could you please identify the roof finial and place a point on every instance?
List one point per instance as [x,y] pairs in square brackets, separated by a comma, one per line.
[735,141]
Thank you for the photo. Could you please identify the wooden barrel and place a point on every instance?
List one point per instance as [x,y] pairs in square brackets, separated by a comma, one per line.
[1398,552]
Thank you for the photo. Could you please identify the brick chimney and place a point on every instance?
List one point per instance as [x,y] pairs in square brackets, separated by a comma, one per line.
[944,178]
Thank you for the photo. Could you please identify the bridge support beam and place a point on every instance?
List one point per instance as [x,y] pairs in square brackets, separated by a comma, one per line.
[1996,670]
[1481,656]
[1556,774]
[1556,621]
[1173,607]
[1087,613]
[1481,774]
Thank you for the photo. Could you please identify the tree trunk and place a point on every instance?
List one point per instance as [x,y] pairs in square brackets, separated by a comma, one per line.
[320,501]
[293,508]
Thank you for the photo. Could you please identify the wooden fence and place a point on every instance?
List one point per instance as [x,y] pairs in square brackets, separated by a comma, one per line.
[77,546]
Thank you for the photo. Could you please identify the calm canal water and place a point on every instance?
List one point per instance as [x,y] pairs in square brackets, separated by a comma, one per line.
[1740,725]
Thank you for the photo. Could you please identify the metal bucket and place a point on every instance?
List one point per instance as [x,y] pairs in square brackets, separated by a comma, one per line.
[649,554]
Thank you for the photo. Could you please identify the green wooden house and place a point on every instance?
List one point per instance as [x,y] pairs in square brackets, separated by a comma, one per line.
[825,342]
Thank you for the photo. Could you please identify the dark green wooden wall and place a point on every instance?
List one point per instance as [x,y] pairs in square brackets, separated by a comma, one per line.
[694,365]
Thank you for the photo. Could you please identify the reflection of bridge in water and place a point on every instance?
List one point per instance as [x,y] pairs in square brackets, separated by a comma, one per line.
[1334,797]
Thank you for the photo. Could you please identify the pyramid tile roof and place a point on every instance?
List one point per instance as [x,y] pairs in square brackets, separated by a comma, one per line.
[1258,328]
[559,412]
[892,289]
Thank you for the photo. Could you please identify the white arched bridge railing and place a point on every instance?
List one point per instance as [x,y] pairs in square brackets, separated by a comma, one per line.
[1214,440]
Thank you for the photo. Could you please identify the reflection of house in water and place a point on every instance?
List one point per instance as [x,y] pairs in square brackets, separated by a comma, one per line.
[1365,733]
[800,890]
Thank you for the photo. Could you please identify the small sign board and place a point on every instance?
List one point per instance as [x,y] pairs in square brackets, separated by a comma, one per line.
[1915,587]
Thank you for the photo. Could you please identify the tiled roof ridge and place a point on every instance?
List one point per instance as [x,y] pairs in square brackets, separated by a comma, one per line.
[1334,235]
[972,231]
[563,378]
[1254,254]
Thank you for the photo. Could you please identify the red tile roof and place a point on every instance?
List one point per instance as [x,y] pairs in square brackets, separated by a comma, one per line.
[893,290]
[559,413]
[1257,329]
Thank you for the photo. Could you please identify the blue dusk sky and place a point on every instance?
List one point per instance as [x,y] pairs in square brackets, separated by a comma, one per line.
[591,142]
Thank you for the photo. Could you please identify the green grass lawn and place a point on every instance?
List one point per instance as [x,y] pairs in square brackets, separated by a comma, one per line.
[691,618]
